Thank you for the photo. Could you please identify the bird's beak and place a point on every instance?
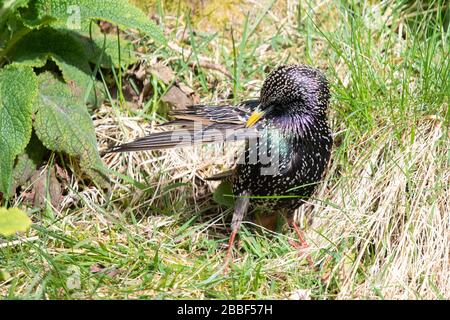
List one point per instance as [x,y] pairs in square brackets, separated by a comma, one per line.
[254,117]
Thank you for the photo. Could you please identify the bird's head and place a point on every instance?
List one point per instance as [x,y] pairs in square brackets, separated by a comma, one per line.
[292,89]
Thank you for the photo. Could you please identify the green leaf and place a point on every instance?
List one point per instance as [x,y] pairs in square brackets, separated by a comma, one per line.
[13,220]
[106,46]
[72,53]
[63,124]
[77,14]
[9,7]
[18,90]
[223,195]
[61,46]
[28,161]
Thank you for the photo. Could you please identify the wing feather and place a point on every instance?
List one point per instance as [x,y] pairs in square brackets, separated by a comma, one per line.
[199,124]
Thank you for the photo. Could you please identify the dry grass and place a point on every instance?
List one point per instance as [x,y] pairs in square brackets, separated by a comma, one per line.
[392,215]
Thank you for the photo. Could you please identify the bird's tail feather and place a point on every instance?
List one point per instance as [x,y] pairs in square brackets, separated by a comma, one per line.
[159,140]
[185,137]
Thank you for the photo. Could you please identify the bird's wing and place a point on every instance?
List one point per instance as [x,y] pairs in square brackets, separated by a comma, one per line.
[198,124]
[224,114]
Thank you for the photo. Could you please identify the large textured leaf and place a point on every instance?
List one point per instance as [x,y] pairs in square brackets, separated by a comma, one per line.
[76,15]
[13,220]
[69,50]
[8,19]
[18,90]
[8,7]
[63,124]
[63,48]
[28,161]
[107,46]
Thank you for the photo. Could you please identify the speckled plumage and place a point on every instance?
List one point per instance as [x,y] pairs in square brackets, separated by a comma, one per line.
[298,97]
[293,101]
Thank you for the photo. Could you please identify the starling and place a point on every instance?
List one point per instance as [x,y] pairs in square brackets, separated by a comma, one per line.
[287,141]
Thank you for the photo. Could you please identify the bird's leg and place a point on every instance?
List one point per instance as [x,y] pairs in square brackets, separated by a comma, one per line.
[230,249]
[301,237]
[303,243]
[240,208]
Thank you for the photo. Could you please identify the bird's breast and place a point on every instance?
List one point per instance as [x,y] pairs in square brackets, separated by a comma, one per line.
[283,162]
